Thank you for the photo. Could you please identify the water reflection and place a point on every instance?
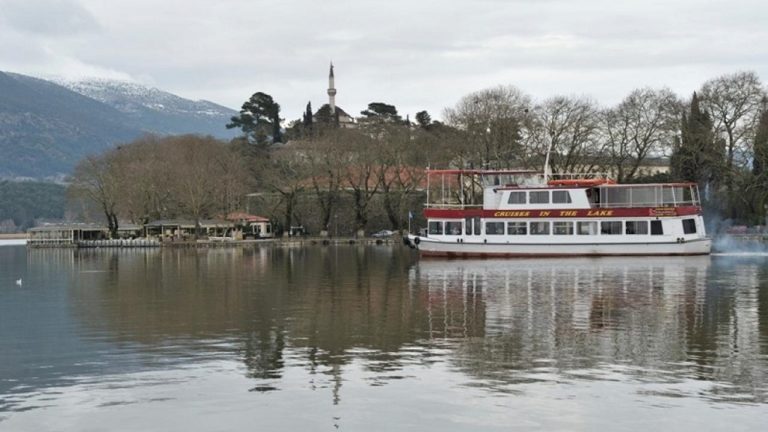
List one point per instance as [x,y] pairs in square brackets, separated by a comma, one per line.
[664,321]
[329,319]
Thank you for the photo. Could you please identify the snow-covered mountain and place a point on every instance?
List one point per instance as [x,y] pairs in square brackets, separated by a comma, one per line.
[157,110]
[47,127]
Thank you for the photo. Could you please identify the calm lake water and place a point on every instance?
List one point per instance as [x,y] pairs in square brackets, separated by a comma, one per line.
[372,338]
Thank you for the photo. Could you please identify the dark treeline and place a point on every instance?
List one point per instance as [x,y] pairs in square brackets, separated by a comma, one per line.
[23,203]
[344,177]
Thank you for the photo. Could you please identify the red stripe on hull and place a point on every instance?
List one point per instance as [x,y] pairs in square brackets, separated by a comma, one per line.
[431,254]
[564,213]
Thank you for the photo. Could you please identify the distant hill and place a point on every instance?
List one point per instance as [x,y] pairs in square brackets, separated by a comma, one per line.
[46,128]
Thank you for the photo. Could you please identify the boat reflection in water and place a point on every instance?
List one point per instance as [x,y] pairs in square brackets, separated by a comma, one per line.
[666,320]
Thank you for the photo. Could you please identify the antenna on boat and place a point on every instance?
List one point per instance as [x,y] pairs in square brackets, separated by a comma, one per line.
[546,163]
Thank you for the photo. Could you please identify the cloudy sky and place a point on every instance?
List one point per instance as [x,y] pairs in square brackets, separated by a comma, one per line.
[416,54]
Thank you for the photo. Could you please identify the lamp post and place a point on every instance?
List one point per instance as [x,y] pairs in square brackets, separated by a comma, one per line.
[336,224]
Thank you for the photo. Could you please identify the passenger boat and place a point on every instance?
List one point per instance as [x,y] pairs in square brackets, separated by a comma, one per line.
[517,213]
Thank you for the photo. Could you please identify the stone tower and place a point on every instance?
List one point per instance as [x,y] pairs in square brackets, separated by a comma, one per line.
[331,91]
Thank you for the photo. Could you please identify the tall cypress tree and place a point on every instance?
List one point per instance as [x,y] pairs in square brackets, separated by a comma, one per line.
[760,161]
[307,120]
[760,166]
[697,157]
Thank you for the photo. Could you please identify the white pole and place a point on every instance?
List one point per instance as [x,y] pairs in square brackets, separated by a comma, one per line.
[546,162]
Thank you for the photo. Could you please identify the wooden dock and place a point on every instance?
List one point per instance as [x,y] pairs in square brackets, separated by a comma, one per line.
[217,243]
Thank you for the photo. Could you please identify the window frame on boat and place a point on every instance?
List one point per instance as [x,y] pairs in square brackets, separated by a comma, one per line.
[453,228]
[689,226]
[499,228]
[518,194]
[611,227]
[537,194]
[517,228]
[595,230]
[636,227]
[561,197]
[657,228]
[545,224]
[562,228]
[431,231]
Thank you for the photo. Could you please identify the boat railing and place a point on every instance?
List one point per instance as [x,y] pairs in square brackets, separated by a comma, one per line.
[452,206]
[647,195]
[631,204]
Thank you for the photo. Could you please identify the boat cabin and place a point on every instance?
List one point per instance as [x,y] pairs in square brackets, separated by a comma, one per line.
[478,205]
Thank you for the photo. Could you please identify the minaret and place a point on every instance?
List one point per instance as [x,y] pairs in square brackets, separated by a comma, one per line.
[331,92]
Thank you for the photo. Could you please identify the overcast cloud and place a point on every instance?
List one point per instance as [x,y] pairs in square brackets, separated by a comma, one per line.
[415,55]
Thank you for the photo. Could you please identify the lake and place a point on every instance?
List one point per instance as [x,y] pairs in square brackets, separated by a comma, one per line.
[373,338]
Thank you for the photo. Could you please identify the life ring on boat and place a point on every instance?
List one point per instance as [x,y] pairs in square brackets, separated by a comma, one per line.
[417,240]
[580,182]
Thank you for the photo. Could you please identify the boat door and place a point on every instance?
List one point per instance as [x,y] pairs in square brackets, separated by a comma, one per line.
[472,226]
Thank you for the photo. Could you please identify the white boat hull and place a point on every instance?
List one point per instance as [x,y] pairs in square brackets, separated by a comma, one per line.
[435,247]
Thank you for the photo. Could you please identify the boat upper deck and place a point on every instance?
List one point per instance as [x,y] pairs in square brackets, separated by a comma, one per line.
[522,190]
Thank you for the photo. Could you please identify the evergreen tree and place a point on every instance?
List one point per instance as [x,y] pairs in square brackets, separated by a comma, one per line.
[760,161]
[325,118]
[760,167]
[382,111]
[697,156]
[307,121]
[259,117]
[423,119]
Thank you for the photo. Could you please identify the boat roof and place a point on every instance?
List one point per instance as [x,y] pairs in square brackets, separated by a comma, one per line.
[589,186]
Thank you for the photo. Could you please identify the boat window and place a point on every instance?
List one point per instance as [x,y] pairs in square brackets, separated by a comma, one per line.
[476,225]
[667,196]
[636,227]
[586,228]
[539,228]
[561,197]
[468,226]
[516,198]
[436,228]
[517,228]
[539,197]
[453,228]
[610,228]
[643,196]
[494,228]
[689,226]
[656,228]
[562,228]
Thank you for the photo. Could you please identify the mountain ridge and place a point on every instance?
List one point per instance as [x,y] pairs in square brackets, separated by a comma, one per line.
[46,127]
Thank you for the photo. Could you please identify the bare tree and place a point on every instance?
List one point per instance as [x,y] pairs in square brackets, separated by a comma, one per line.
[359,177]
[398,173]
[326,170]
[286,175]
[145,193]
[493,119]
[644,124]
[198,173]
[570,127]
[733,102]
[97,179]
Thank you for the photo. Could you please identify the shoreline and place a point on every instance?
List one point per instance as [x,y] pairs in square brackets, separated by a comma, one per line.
[14,236]
[279,242]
